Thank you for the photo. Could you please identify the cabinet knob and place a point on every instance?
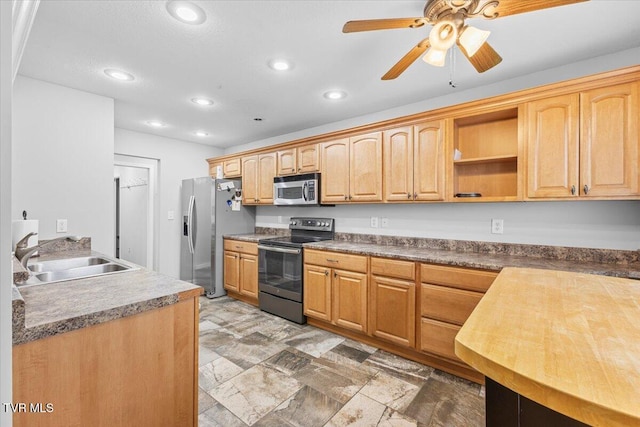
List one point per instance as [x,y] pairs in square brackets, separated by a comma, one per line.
[408,195]
[335,274]
[586,189]
[350,197]
[345,197]
[415,196]
[326,272]
[573,190]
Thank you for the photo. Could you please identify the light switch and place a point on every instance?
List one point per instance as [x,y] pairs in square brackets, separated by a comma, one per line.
[170,215]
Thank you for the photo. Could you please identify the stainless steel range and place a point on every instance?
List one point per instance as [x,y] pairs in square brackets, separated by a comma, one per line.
[280,278]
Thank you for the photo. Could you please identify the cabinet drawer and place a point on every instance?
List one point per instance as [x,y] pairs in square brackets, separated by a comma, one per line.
[336,260]
[438,338]
[463,278]
[393,268]
[447,304]
[240,246]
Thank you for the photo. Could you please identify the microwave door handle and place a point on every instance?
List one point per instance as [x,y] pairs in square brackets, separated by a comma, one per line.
[305,192]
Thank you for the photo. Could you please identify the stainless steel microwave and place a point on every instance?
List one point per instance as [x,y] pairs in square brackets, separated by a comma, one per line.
[297,190]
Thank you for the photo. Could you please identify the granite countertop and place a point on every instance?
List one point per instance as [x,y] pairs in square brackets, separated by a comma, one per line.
[254,237]
[44,310]
[476,260]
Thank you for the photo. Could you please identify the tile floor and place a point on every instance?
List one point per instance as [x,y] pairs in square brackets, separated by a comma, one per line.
[260,370]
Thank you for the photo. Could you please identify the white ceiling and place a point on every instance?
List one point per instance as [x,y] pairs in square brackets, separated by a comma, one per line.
[226,58]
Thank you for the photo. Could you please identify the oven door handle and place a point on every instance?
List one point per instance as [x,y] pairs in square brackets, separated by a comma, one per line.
[277,249]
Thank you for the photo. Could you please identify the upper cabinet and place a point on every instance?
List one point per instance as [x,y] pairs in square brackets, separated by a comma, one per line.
[297,160]
[231,168]
[414,162]
[486,155]
[257,178]
[584,145]
[352,169]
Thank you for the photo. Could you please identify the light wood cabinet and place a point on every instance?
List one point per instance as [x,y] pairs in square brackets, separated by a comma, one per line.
[584,145]
[257,178]
[336,289]
[298,160]
[241,269]
[448,295]
[352,169]
[139,370]
[414,167]
[232,168]
[335,171]
[486,156]
[392,301]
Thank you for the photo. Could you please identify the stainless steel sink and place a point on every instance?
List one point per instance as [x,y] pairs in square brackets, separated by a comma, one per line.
[72,268]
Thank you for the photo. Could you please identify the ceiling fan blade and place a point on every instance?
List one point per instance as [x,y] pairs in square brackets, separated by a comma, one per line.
[382,24]
[407,60]
[513,7]
[484,59]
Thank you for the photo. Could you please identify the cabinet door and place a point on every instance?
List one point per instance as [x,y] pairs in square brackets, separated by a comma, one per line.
[266,172]
[392,310]
[287,162]
[397,152]
[350,300]
[365,168]
[609,141]
[250,180]
[231,168]
[231,271]
[428,160]
[317,292]
[335,171]
[249,275]
[309,158]
[552,147]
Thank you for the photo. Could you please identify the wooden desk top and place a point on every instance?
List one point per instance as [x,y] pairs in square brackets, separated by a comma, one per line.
[568,341]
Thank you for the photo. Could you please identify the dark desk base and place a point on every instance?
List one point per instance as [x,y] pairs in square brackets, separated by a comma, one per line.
[506,408]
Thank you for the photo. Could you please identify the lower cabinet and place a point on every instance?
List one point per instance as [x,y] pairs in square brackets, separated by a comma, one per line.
[241,269]
[392,301]
[448,295]
[335,289]
[411,309]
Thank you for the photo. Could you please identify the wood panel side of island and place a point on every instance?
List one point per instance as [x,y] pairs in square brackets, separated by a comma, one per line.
[138,370]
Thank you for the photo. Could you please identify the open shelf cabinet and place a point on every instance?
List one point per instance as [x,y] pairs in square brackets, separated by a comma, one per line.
[487,156]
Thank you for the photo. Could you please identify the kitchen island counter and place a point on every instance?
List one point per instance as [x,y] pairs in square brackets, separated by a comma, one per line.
[48,309]
[567,341]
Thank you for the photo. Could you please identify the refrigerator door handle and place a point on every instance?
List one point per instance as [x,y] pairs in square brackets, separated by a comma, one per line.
[190,236]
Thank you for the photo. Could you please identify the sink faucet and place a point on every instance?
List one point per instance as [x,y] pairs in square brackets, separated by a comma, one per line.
[23,253]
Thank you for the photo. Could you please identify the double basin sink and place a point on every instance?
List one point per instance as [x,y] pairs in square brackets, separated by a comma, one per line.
[72,268]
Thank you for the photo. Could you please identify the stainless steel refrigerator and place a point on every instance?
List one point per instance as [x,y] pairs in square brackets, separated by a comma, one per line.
[210,209]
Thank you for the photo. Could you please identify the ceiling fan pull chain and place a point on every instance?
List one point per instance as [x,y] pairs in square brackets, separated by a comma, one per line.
[452,68]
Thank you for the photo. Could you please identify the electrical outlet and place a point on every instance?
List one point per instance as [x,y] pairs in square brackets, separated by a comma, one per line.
[384,222]
[170,215]
[374,222]
[61,226]
[497,226]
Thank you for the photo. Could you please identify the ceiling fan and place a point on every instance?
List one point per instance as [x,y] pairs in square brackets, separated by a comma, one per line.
[449,28]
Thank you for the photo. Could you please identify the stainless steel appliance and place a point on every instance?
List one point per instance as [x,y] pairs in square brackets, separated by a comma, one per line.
[297,190]
[280,260]
[210,209]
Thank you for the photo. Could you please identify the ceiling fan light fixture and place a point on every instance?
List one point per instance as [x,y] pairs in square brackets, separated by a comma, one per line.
[472,39]
[435,57]
[443,35]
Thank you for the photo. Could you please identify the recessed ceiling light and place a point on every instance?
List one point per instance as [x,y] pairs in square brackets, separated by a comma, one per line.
[155,123]
[205,102]
[335,95]
[201,133]
[187,12]
[119,75]
[280,65]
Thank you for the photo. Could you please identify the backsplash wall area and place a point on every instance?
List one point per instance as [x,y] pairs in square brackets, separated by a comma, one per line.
[588,224]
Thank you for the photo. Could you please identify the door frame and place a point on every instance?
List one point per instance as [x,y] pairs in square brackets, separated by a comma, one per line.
[152,166]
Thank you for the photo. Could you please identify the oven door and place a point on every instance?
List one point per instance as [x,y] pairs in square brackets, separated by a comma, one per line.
[280,271]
